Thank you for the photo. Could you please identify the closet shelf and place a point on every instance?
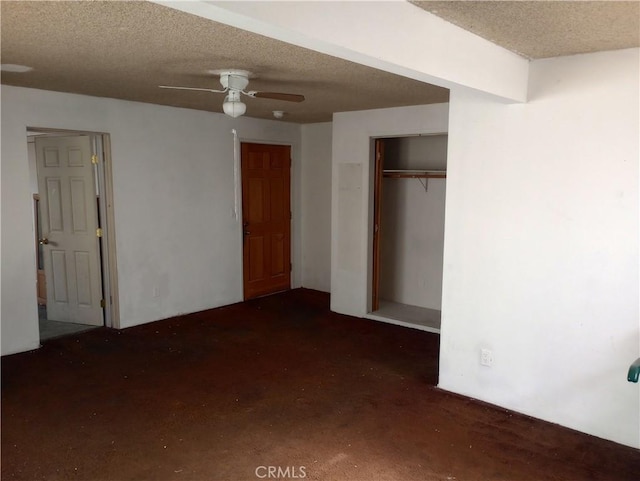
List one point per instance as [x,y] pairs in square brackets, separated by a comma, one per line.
[415,174]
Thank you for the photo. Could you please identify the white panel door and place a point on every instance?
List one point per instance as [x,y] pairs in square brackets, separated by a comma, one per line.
[69,221]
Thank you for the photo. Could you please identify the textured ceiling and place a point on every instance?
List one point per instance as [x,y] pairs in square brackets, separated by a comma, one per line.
[126,49]
[540,29]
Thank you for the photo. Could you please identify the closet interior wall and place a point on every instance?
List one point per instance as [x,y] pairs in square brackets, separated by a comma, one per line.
[412,223]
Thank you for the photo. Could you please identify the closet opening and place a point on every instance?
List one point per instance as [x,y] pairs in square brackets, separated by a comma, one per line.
[408,230]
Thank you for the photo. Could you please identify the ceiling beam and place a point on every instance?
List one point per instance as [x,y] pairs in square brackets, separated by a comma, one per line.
[393,36]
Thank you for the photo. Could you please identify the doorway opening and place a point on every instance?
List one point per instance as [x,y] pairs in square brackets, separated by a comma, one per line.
[266,218]
[73,222]
[408,230]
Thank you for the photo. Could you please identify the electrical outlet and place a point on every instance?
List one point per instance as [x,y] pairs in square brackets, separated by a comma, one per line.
[486,357]
[156,292]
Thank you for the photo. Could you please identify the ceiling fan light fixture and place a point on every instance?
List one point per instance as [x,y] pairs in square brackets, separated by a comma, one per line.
[233,106]
[234,109]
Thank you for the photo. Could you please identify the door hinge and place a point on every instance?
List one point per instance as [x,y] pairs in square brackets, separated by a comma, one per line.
[102,303]
[94,159]
[99,232]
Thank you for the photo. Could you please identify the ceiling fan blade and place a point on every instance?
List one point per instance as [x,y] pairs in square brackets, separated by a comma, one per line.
[278,96]
[191,88]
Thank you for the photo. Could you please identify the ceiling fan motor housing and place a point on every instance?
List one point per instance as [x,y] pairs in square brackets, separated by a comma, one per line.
[234,79]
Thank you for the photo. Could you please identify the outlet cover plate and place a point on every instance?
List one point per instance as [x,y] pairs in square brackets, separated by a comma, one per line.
[486,357]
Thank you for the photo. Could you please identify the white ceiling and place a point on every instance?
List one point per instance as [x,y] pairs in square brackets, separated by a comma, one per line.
[125,50]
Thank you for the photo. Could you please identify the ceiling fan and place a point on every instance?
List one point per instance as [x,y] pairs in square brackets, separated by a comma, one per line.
[233,84]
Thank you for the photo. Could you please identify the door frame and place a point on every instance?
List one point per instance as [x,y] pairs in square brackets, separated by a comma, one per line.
[376,168]
[41,277]
[238,207]
[378,164]
[101,147]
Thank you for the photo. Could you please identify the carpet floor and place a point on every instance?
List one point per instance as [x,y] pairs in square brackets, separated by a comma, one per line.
[273,388]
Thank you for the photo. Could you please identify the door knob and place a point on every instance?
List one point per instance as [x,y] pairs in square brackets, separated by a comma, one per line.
[43,241]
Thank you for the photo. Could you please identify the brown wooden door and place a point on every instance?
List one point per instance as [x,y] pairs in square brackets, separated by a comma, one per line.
[266,216]
[377,209]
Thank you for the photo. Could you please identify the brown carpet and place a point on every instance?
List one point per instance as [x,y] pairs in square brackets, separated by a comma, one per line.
[279,382]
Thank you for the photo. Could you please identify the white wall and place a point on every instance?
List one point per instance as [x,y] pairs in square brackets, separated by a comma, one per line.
[352,193]
[18,310]
[316,205]
[541,246]
[173,175]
